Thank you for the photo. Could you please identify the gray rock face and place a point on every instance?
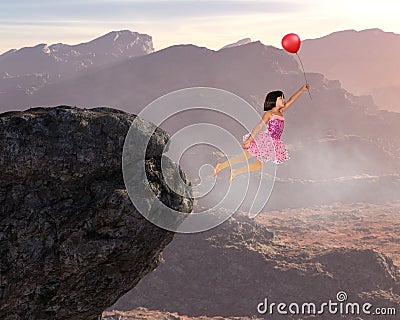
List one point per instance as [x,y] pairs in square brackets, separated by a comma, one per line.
[71,241]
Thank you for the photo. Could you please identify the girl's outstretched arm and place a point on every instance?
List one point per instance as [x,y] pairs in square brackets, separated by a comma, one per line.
[294,97]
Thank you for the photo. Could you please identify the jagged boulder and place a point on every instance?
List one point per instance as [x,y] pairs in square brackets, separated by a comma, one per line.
[71,241]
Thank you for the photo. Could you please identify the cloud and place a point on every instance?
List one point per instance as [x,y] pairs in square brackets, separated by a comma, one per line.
[92,10]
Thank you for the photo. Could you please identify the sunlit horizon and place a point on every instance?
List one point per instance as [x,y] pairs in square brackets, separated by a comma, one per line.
[211,24]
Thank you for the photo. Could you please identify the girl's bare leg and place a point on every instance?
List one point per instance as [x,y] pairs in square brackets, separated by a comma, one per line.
[236,159]
[251,167]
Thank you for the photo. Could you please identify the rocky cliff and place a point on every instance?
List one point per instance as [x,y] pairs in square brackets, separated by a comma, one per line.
[71,241]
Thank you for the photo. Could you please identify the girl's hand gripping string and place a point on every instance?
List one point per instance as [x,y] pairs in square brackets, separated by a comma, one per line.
[305,87]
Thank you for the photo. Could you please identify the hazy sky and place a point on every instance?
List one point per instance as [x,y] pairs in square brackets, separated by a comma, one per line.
[207,23]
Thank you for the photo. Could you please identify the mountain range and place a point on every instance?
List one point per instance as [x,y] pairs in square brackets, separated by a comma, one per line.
[337,140]
[26,70]
[58,59]
[366,62]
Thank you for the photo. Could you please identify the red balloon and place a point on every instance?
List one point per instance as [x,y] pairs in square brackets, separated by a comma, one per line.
[291,42]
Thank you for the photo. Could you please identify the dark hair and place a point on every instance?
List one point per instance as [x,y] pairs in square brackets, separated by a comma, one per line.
[270,99]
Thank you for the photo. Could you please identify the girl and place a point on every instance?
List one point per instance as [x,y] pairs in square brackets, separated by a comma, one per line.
[259,144]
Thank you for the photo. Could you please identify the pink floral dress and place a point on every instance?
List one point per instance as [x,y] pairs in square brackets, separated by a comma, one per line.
[267,145]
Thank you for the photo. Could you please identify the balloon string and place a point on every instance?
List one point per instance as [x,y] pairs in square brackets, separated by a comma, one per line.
[304,74]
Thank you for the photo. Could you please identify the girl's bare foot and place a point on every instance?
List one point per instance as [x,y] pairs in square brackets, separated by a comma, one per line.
[233,175]
[216,169]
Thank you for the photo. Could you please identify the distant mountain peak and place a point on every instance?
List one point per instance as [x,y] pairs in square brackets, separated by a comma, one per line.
[123,39]
[126,32]
[359,59]
[365,32]
[119,34]
[375,30]
[63,58]
[238,43]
